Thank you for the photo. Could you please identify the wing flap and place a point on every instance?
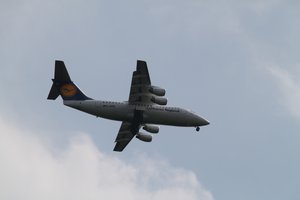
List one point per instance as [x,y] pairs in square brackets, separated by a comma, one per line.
[140,84]
[124,136]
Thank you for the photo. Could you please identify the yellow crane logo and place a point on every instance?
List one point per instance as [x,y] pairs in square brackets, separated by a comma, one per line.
[68,90]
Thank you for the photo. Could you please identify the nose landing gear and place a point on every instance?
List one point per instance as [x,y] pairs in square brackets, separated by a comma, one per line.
[197,128]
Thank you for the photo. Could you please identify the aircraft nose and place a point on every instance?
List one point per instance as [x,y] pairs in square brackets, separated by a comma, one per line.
[202,121]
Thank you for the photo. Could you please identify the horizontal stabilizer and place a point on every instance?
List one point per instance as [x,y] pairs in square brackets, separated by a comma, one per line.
[54,93]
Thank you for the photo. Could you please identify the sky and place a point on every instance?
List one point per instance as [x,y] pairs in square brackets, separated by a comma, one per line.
[233,62]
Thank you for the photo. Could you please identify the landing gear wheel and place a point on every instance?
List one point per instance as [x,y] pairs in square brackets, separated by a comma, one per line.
[197,128]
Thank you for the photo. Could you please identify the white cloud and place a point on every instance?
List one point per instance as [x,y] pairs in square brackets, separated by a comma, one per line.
[31,170]
[289,87]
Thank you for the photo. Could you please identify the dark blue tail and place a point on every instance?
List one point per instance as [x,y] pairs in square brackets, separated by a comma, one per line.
[64,86]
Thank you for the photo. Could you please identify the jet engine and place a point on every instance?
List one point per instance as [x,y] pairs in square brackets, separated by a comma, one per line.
[151,128]
[144,137]
[157,91]
[160,100]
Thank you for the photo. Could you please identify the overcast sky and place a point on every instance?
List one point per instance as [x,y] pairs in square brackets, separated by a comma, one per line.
[236,63]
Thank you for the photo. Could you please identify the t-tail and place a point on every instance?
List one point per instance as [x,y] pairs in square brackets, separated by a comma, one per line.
[64,86]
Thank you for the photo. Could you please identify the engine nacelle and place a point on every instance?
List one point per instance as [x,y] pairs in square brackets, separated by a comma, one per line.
[157,91]
[160,100]
[144,137]
[151,128]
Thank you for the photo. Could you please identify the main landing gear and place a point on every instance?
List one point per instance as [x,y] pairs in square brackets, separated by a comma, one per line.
[197,128]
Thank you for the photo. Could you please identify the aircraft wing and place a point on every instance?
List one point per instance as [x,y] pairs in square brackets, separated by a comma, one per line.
[140,84]
[126,133]
[139,93]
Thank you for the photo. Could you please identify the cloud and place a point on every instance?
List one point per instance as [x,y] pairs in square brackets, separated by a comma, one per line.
[289,87]
[31,168]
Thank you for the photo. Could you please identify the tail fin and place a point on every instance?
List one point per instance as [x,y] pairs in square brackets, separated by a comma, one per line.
[63,85]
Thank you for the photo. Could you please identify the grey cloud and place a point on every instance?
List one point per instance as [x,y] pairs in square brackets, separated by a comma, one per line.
[31,170]
[289,88]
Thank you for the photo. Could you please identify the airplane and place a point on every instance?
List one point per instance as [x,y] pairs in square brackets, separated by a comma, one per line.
[146,107]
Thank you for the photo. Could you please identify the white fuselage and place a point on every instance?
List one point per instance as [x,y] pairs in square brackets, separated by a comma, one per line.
[152,114]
